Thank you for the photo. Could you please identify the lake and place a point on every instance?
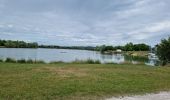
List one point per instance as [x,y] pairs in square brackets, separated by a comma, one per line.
[67,55]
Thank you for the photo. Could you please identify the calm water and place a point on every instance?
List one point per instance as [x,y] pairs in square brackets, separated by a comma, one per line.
[66,55]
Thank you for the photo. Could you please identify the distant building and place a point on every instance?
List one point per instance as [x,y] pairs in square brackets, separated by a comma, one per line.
[118,50]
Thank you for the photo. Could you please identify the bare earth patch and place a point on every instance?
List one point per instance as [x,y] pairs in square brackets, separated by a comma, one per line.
[66,72]
[159,96]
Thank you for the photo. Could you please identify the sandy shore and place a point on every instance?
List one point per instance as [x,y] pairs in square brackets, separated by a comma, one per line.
[158,96]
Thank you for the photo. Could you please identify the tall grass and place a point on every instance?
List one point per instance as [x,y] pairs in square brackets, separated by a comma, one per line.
[57,62]
[21,61]
[11,60]
[29,61]
[39,62]
[88,61]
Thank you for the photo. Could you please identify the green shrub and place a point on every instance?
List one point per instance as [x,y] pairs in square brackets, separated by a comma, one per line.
[39,62]
[1,60]
[21,61]
[97,62]
[88,61]
[30,61]
[110,63]
[11,60]
[57,62]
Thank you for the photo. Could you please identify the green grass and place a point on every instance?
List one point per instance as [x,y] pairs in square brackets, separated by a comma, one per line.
[79,81]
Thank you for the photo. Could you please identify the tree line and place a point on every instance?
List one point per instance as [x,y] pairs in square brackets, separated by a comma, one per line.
[22,44]
[68,47]
[17,44]
[128,47]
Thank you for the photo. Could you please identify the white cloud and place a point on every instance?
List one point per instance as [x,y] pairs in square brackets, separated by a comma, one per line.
[158,27]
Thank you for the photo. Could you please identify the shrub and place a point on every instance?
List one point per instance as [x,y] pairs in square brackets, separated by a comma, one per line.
[30,61]
[10,60]
[88,61]
[110,63]
[57,62]
[97,62]
[1,60]
[39,62]
[21,61]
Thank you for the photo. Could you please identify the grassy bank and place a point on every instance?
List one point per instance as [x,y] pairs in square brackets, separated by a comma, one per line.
[79,81]
[30,61]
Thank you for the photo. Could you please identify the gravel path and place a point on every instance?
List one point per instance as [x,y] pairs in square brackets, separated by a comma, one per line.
[159,96]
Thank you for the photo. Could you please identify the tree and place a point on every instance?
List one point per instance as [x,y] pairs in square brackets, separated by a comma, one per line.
[163,51]
[143,47]
[17,44]
[104,48]
[129,47]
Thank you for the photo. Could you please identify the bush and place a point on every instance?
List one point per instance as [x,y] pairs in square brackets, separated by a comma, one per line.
[1,60]
[110,63]
[21,61]
[11,60]
[57,62]
[30,61]
[97,62]
[88,61]
[39,62]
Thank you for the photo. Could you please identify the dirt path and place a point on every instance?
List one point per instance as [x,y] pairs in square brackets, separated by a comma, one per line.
[159,96]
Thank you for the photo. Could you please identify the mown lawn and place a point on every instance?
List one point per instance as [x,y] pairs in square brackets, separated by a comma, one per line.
[79,81]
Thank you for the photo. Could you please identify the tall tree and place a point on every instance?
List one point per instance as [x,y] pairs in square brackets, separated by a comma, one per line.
[163,51]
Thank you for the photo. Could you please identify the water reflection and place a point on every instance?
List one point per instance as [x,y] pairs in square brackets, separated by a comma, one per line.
[116,58]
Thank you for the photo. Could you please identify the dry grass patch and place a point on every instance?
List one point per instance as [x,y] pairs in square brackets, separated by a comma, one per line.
[65,72]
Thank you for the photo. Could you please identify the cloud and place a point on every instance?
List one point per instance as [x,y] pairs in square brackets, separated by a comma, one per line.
[158,27]
[85,22]
[152,30]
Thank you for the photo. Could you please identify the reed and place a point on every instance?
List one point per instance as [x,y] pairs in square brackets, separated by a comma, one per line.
[11,60]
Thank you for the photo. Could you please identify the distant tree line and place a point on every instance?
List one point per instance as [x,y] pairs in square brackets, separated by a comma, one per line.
[68,47]
[17,44]
[128,47]
[22,44]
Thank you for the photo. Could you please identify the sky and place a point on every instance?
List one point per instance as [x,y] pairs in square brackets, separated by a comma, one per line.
[85,22]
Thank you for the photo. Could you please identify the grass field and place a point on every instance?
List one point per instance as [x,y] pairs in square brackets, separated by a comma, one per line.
[79,81]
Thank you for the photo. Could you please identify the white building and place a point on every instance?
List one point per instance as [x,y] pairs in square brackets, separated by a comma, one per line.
[119,50]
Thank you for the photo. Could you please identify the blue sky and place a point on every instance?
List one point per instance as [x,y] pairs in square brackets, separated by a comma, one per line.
[85,22]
